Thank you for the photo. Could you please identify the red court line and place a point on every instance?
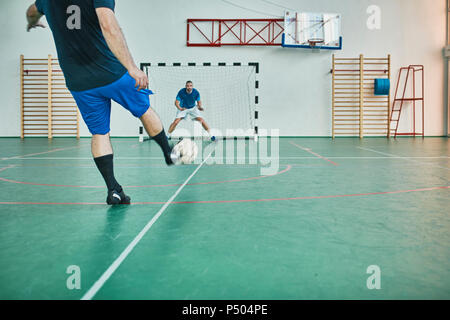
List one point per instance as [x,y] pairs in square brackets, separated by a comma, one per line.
[316,197]
[238,201]
[288,167]
[313,153]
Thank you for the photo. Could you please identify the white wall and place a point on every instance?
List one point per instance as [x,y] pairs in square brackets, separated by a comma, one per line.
[295,84]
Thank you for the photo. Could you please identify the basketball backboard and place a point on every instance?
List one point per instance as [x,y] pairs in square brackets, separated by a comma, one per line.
[312,30]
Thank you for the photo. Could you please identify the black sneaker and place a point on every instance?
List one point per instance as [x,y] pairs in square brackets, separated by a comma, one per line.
[173,158]
[168,157]
[116,198]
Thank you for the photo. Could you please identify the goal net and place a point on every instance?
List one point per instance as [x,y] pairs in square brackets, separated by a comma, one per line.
[227,94]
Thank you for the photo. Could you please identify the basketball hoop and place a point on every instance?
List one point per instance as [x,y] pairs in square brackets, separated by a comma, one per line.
[316,31]
[315,42]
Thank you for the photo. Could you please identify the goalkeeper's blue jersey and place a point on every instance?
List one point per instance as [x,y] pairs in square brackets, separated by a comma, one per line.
[188,100]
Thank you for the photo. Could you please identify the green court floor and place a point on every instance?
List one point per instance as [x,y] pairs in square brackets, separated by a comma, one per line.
[308,231]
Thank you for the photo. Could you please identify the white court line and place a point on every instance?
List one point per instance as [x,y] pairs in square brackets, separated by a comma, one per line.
[252,158]
[313,153]
[404,158]
[39,153]
[8,167]
[107,274]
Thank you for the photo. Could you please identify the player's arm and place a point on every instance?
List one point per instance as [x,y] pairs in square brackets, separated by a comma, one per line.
[33,17]
[116,42]
[177,104]
[199,102]
[199,105]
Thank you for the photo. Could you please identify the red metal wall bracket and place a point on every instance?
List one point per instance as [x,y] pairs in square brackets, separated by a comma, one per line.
[234,32]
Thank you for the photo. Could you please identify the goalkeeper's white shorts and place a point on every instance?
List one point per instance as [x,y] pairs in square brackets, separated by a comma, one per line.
[193,113]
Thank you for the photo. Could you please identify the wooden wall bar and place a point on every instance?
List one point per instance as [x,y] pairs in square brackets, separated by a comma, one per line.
[356,110]
[46,106]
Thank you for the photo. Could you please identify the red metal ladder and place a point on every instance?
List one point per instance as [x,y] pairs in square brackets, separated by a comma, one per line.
[397,106]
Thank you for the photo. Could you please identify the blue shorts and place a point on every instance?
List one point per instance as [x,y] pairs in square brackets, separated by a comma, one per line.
[95,104]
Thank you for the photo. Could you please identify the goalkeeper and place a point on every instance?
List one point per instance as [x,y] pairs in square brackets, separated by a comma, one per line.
[188,103]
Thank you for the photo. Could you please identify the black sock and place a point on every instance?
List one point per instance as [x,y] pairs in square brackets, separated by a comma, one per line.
[161,140]
[106,167]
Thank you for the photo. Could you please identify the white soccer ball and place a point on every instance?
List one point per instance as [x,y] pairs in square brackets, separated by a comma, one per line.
[187,151]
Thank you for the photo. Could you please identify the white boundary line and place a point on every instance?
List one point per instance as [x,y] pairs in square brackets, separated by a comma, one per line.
[8,167]
[39,153]
[282,158]
[313,153]
[404,158]
[107,274]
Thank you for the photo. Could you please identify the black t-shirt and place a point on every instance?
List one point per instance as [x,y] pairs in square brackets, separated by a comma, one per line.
[84,56]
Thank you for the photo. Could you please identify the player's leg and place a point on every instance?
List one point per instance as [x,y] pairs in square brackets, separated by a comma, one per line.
[197,116]
[205,126]
[96,111]
[101,145]
[174,125]
[104,160]
[137,102]
[181,114]
[155,129]
[203,123]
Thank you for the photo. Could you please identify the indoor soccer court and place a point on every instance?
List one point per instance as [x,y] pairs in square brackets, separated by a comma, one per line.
[307,232]
[303,155]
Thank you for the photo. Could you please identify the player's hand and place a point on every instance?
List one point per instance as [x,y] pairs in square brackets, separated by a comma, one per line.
[182,109]
[37,25]
[201,109]
[140,77]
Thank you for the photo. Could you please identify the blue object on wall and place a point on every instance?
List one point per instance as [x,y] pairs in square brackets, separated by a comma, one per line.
[382,87]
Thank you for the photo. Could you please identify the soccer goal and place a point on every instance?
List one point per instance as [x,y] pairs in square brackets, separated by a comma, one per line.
[228,93]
